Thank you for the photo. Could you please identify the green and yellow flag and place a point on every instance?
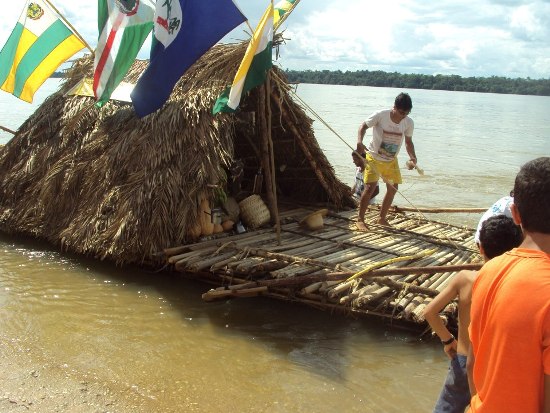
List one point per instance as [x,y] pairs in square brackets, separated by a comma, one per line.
[37,46]
[282,10]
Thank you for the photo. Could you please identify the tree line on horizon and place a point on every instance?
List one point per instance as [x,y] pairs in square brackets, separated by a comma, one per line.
[493,84]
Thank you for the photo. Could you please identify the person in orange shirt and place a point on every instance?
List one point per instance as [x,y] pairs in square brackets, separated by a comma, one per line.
[497,235]
[509,356]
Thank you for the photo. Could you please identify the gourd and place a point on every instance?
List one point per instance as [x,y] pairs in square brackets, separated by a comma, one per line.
[227,225]
[207,227]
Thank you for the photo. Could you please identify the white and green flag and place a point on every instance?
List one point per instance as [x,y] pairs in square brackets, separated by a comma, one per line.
[123,27]
[254,67]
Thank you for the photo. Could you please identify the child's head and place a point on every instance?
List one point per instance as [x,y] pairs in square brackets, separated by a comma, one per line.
[499,234]
[403,102]
[358,160]
[532,195]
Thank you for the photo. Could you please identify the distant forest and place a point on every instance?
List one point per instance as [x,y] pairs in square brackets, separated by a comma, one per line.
[493,84]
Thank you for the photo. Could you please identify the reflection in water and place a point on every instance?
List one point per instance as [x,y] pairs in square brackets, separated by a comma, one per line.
[150,336]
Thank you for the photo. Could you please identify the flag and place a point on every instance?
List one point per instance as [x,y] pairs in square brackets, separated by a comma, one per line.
[184,30]
[86,88]
[37,46]
[282,10]
[123,27]
[254,67]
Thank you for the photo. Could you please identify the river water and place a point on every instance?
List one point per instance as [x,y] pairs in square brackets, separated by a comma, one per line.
[151,340]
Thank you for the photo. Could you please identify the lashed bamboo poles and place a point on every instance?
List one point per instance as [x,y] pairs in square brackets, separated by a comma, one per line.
[399,295]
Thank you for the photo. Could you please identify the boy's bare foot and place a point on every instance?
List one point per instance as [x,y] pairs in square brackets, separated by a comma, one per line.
[360,225]
[383,222]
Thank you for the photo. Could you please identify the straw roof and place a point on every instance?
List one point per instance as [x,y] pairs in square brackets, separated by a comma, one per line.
[107,184]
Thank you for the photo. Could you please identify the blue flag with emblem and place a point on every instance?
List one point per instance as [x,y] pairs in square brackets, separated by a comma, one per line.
[183,31]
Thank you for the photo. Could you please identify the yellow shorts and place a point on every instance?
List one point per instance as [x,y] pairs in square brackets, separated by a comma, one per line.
[374,169]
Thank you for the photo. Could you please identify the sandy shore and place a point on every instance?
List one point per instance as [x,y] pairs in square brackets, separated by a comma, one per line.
[31,384]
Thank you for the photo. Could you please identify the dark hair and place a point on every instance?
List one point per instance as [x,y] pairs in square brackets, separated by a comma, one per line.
[499,234]
[359,155]
[403,101]
[532,195]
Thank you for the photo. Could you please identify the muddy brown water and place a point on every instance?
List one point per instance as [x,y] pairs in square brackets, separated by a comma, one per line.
[150,343]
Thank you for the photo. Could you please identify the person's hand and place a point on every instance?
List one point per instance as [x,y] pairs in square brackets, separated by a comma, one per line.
[361,148]
[450,349]
[411,164]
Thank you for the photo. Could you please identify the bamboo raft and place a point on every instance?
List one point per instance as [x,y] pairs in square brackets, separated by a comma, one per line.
[388,272]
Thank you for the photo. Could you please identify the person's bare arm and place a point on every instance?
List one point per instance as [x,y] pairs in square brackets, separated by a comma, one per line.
[360,135]
[470,360]
[409,145]
[431,313]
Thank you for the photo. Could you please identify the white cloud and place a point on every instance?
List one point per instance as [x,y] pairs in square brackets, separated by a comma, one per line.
[463,37]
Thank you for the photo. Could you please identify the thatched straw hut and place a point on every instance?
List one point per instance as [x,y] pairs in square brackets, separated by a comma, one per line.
[109,185]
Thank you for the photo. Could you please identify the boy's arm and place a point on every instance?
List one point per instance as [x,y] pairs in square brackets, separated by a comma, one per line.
[470,360]
[409,145]
[431,314]
[360,135]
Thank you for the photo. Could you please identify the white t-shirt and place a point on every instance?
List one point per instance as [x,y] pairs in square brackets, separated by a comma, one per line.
[387,136]
[501,207]
[359,183]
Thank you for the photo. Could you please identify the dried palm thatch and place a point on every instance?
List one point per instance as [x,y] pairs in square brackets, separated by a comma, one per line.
[107,184]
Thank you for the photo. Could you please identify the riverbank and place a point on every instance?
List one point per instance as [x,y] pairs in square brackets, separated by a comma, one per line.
[33,383]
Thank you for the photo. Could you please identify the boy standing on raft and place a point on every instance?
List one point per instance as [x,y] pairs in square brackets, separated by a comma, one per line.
[389,128]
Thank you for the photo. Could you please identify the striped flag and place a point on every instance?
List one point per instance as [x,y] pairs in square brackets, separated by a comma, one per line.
[282,10]
[254,67]
[123,27]
[37,46]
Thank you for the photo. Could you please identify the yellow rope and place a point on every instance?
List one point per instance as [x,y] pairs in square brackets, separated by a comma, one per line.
[391,261]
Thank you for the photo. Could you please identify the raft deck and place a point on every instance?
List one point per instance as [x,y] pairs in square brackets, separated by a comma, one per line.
[389,272]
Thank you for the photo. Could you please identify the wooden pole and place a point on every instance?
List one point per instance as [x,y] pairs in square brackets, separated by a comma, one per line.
[438,210]
[272,156]
[71,26]
[7,130]
[264,149]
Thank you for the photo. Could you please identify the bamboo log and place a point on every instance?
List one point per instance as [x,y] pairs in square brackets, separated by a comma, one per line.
[168,252]
[311,288]
[438,210]
[207,263]
[219,265]
[418,312]
[190,254]
[226,293]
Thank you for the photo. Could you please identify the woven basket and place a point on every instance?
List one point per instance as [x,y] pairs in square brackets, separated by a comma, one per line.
[254,212]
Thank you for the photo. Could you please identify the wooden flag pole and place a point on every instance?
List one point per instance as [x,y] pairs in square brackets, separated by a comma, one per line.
[70,25]
[247,22]
[272,156]
[7,130]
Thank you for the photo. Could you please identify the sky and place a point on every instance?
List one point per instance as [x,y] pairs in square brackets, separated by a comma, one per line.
[468,38]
